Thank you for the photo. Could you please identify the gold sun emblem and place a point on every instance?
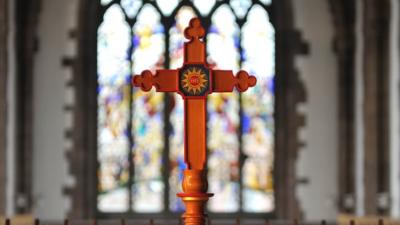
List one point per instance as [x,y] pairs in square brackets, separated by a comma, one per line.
[194,80]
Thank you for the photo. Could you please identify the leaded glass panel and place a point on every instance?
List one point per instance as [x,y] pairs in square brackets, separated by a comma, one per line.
[113,110]
[148,45]
[223,115]
[258,108]
[140,135]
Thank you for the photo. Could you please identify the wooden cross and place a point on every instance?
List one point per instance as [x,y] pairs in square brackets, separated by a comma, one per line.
[194,81]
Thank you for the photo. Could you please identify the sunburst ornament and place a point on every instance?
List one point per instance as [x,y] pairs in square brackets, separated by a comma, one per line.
[194,80]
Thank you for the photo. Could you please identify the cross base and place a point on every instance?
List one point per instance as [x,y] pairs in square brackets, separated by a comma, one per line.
[194,196]
[194,214]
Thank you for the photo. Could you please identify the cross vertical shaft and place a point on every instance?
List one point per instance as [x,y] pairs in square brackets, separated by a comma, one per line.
[194,183]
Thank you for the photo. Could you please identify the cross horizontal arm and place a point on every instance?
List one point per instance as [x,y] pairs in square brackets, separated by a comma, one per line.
[224,81]
[163,80]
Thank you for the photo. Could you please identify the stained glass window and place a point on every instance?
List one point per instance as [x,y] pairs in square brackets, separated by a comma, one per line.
[140,134]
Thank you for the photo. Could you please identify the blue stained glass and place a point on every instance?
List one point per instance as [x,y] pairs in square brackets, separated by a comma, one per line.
[246,121]
[271,85]
[213,30]
[135,41]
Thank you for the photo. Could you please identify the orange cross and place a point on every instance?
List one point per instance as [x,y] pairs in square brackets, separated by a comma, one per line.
[194,81]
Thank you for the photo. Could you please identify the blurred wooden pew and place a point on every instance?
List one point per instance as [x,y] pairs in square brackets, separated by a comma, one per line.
[19,220]
[366,220]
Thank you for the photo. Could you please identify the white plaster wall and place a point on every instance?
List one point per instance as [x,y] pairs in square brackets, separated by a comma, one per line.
[49,120]
[317,161]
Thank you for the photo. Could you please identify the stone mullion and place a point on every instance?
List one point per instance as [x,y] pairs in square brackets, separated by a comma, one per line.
[26,45]
[343,13]
[383,108]
[375,96]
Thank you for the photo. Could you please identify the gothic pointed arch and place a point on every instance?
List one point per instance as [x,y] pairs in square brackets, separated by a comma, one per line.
[287,89]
